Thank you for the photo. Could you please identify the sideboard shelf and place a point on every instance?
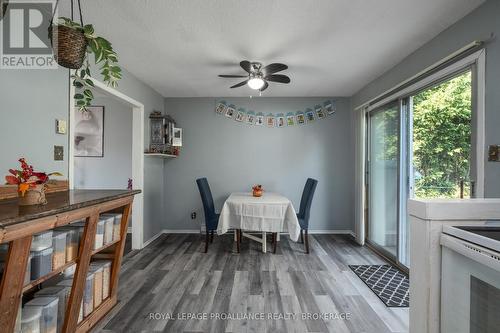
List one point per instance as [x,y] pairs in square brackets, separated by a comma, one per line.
[19,224]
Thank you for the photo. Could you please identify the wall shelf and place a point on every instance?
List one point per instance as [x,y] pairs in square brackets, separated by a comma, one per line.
[160,155]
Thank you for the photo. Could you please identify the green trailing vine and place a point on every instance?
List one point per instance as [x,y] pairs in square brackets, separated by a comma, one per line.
[104,56]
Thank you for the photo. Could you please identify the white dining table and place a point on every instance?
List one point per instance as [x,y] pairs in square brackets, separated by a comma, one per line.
[271,212]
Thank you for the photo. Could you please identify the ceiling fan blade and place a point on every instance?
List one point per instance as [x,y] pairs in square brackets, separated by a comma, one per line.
[274,68]
[246,65]
[264,87]
[233,75]
[278,78]
[239,84]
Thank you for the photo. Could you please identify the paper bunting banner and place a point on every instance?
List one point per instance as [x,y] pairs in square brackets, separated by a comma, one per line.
[309,115]
[250,118]
[230,111]
[290,119]
[259,119]
[221,107]
[319,111]
[240,115]
[301,120]
[270,120]
[330,109]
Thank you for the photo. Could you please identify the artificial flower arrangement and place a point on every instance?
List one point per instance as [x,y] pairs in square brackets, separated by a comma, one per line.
[30,184]
[257,191]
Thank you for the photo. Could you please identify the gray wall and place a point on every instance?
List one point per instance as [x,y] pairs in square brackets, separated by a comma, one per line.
[30,102]
[114,169]
[234,156]
[33,99]
[153,168]
[478,25]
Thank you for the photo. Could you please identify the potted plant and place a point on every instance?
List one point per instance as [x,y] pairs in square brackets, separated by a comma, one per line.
[73,43]
[30,184]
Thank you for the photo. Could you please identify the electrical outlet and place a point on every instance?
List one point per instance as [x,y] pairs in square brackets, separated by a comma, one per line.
[193,216]
[58,153]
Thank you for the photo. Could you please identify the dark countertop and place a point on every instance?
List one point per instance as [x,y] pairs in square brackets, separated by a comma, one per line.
[58,202]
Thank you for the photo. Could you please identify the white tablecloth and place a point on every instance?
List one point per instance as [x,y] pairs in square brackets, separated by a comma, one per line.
[270,213]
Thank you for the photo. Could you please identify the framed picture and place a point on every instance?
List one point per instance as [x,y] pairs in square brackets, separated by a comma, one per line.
[329,107]
[89,132]
[301,120]
[271,121]
[259,120]
[290,120]
[240,116]
[177,137]
[220,108]
[310,115]
[319,111]
[230,111]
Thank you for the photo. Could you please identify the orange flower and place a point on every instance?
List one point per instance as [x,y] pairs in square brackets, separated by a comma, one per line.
[23,187]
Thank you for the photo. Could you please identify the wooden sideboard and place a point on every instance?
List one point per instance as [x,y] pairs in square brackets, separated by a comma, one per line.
[19,223]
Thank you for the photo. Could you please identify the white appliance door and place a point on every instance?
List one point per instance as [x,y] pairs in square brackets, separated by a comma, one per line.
[470,288]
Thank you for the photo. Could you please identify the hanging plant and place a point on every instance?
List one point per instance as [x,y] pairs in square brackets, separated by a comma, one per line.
[3,7]
[73,44]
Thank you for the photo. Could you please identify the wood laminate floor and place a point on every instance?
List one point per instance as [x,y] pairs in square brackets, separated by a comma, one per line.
[283,292]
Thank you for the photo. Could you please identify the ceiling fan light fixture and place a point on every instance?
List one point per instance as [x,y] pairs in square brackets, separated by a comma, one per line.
[256,83]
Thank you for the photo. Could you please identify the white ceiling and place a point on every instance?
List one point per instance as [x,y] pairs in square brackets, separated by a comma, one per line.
[333,47]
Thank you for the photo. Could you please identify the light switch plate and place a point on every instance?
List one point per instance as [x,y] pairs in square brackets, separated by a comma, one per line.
[61,126]
[58,153]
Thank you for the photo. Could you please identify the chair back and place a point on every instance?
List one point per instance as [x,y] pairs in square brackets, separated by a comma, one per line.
[211,219]
[306,200]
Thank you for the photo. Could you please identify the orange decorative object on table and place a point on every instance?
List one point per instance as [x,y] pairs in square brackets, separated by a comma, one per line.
[257,191]
[30,184]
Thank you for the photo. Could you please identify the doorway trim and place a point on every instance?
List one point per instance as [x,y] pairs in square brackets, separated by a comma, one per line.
[137,154]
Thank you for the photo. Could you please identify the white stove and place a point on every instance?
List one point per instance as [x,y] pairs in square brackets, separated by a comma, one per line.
[470,279]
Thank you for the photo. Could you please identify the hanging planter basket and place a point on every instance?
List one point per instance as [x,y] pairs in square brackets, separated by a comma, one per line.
[72,43]
[3,7]
[69,46]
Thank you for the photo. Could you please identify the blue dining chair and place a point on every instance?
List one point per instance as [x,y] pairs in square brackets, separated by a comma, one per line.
[305,210]
[211,218]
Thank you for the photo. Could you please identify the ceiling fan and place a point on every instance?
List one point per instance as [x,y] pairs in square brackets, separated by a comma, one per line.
[258,76]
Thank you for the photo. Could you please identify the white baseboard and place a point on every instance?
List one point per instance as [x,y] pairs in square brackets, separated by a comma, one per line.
[332,232]
[152,239]
[318,232]
[197,231]
[180,231]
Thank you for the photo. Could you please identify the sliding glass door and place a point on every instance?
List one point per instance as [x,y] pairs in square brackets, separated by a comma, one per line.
[419,146]
[383,165]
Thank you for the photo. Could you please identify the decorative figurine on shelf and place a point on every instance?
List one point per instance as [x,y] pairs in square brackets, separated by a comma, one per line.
[30,185]
[161,132]
[257,191]
[129,184]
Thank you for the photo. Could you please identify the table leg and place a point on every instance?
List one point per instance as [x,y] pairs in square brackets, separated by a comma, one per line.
[275,241]
[264,242]
[238,241]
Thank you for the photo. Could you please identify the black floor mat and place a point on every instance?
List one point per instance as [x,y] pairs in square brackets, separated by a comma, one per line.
[387,282]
